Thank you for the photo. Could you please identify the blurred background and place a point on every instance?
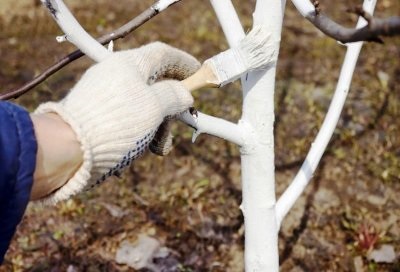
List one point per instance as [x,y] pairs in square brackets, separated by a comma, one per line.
[187,202]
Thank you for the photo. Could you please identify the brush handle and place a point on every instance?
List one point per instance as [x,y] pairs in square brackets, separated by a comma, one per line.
[204,77]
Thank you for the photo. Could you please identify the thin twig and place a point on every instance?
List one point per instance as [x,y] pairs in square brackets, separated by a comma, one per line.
[115,35]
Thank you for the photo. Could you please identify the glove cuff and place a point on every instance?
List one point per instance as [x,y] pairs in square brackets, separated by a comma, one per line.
[80,179]
[104,155]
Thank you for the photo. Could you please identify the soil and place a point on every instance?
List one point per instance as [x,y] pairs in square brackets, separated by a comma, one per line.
[189,200]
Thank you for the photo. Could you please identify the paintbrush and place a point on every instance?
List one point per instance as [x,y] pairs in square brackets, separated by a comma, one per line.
[254,52]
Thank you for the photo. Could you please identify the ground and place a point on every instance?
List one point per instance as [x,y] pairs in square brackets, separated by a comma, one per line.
[189,200]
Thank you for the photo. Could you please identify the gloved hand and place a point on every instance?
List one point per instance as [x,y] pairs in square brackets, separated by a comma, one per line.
[115,112]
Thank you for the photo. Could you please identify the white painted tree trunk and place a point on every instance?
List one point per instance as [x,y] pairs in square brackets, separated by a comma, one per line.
[258,166]
[257,154]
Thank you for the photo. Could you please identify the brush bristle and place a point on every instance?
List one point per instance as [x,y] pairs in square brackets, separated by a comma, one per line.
[256,49]
[254,52]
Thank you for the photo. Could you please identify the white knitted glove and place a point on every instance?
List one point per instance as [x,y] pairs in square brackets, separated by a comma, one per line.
[115,112]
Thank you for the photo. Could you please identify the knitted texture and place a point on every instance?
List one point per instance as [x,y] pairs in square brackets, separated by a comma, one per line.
[115,113]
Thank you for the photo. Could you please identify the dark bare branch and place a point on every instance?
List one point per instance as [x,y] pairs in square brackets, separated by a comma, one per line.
[115,35]
[372,32]
[317,8]
[361,12]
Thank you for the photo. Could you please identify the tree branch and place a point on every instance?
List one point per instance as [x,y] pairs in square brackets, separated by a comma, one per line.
[203,123]
[304,175]
[371,32]
[74,32]
[121,32]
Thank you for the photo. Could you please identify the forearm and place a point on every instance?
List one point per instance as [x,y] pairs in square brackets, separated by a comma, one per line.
[58,157]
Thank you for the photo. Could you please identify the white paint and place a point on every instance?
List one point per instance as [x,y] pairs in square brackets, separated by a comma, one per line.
[317,149]
[254,52]
[258,178]
[61,38]
[163,4]
[111,46]
[305,7]
[76,34]
[258,168]
[229,21]
[204,123]
[257,153]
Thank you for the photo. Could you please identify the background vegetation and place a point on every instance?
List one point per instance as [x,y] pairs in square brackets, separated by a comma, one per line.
[189,200]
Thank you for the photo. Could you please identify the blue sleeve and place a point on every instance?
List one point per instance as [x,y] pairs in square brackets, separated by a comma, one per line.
[17,164]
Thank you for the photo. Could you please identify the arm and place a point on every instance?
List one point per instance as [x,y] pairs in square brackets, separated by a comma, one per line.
[106,121]
[58,156]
